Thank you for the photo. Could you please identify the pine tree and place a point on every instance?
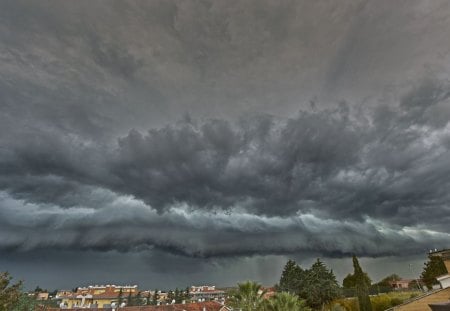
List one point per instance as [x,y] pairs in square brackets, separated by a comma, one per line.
[433,268]
[361,286]
[178,297]
[136,300]
[129,300]
[319,286]
[120,297]
[170,296]
[155,297]
[291,278]
[186,296]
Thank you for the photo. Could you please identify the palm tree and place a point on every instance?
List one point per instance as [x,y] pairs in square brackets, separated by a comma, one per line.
[248,297]
[285,302]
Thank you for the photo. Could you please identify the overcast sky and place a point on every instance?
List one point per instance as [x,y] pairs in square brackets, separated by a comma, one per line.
[170,143]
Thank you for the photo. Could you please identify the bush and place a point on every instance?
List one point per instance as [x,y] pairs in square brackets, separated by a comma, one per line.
[381,302]
[396,301]
[337,307]
[347,304]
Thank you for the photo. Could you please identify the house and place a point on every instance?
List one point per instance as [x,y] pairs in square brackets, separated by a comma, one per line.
[401,284]
[42,296]
[205,292]
[98,296]
[444,280]
[434,300]
[196,306]
[62,293]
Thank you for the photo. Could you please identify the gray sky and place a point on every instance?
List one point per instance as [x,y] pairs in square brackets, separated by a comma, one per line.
[167,143]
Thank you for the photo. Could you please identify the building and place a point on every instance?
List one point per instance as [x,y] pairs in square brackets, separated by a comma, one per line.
[98,296]
[444,280]
[205,293]
[196,306]
[401,284]
[62,293]
[42,296]
[435,300]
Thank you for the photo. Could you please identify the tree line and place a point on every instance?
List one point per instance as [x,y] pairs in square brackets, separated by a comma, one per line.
[316,288]
[297,290]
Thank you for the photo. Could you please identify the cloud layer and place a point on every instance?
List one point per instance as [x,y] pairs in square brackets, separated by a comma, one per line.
[334,181]
[196,130]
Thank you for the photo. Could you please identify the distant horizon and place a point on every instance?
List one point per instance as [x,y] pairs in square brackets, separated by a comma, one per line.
[344,267]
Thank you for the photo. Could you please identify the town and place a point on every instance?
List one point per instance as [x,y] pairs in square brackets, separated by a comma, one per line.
[298,289]
[224,155]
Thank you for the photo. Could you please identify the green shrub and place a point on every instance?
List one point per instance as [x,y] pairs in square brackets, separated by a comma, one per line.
[396,301]
[381,302]
[347,304]
[337,307]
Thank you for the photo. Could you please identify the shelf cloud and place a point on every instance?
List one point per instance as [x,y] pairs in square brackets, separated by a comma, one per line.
[217,131]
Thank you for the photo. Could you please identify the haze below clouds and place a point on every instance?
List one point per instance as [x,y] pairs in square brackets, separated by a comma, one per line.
[165,143]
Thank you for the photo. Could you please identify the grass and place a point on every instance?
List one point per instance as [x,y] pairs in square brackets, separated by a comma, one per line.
[380,302]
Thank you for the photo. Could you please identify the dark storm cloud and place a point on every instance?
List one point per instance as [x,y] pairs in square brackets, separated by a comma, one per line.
[127,225]
[95,154]
[263,164]
[330,162]
[358,175]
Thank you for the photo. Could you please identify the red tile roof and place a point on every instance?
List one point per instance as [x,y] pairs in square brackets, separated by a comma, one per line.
[196,306]
[107,294]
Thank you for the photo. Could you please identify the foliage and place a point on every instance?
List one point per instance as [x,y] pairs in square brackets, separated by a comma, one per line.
[414,284]
[349,282]
[337,307]
[135,300]
[149,298]
[285,302]
[155,298]
[379,302]
[186,297]
[387,281]
[170,296]
[10,294]
[53,293]
[396,301]
[120,297]
[319,286]
[385,301]
[25,303]
[291,278]
[247,297]
[434,267]
[413,295]
[348,304]
[362,284]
